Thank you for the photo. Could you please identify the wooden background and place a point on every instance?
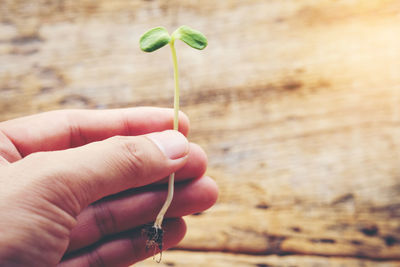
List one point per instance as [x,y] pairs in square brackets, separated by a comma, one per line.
[297,104]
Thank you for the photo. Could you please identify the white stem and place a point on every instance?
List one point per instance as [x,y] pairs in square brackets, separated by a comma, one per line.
[167,203]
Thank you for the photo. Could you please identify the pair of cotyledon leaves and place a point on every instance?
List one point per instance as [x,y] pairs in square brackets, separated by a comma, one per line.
[159,37]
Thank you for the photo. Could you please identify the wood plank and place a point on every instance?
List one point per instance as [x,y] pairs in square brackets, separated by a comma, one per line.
[297,104]
[195,259]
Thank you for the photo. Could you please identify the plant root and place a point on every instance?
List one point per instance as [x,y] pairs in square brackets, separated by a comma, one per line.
[154,240]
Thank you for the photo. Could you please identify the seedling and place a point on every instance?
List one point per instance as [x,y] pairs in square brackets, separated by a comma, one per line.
[149,42]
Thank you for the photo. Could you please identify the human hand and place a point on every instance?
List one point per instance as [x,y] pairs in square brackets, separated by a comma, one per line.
[75,186]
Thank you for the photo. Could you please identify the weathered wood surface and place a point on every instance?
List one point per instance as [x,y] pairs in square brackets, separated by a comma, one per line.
[196,259]
[296,102]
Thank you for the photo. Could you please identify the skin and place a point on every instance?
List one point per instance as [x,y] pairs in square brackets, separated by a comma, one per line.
[77,186]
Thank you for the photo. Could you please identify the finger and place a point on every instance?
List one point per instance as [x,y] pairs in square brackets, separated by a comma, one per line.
[195,166]
[7,149]
[126,248]
[74,178]
[64,129]
[130,210]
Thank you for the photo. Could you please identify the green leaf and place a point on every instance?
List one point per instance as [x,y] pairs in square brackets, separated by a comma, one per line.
[154,39]
[191,37]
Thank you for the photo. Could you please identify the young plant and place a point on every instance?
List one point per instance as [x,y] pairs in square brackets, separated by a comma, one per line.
[149,42]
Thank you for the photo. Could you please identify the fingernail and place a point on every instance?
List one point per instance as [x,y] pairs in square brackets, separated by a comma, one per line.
[172,143]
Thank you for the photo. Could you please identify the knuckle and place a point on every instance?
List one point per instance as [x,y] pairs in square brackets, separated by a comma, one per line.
[94,259]
[104,219]
[133,158]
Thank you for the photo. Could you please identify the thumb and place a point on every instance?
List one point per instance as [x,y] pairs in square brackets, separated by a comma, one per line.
[76,177]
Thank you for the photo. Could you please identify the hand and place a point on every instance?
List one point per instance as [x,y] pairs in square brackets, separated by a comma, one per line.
[76,186]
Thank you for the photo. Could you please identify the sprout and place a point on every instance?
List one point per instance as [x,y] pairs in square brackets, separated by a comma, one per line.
[159,37]
[150,41]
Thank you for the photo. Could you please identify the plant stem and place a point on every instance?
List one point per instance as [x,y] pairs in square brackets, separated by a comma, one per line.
[176,80]
[170,195]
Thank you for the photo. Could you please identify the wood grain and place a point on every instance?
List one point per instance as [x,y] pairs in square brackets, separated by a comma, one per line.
[297,104]
[198,259]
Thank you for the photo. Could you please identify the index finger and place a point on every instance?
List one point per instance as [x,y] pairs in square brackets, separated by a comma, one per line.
[63,129]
